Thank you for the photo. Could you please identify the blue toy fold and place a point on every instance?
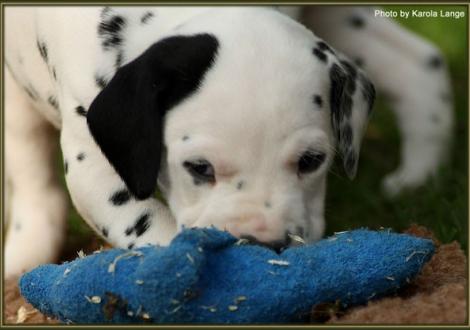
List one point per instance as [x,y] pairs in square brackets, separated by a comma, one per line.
[206,276]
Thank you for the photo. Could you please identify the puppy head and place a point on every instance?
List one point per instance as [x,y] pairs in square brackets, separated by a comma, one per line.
[249,107]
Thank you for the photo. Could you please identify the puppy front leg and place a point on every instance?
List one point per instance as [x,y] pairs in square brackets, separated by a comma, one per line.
[100,195]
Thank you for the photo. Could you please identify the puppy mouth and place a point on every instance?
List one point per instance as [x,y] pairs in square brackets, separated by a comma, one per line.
[279,245]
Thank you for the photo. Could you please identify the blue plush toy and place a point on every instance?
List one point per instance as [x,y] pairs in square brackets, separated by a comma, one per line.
[205,276]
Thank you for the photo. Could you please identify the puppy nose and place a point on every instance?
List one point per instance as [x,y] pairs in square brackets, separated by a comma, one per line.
[249,224]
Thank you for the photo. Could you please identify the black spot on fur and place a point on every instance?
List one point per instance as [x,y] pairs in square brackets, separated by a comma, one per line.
[66,167]
[350,161]
[146,17]
[240,185]
[42,50]
[185,138]
[53,102]
[105,231]
[118,62]
[129,231]
[357,21]
[54,73]
[338,80]
[142,224]
[130,246]
[81,156]
[80,111]
[346,135]
[359,62]
[120,197]
[320,55]
[140,94]
[317,99]
[267,205]
[352,72]
[368,92]
[31,93]
[435,62]
[109,30]
[100,81]
[325,47]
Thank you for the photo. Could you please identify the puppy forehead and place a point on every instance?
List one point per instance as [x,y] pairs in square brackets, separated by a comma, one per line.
[260,85]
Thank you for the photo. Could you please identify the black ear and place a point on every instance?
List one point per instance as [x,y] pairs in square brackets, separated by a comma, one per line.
[352,97]
[126,118]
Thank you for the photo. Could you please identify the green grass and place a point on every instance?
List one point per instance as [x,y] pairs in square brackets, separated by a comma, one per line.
[441,204]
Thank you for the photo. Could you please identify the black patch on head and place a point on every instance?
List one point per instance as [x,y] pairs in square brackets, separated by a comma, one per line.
[142,224]
[53,102]
[120,197]
[323,46]
[130,246]
[42,50]
[100,81]
[104,231]
[146,17]
[320,55]
[435,62]
[185,138]
[317,99]
[357,22]
[126,118]
[109,29]
[80,111]
[240,185]
[66,167]
[81,156]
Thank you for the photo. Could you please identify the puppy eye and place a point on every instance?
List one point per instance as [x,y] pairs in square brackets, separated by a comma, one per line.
[310,161]
[200,170]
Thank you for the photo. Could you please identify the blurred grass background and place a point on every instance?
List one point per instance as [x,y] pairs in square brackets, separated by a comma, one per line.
[441,205]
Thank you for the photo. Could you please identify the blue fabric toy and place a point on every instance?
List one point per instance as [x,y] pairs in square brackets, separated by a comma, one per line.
[206,276]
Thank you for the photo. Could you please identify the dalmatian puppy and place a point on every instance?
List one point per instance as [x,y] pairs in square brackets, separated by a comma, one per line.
[235,113]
